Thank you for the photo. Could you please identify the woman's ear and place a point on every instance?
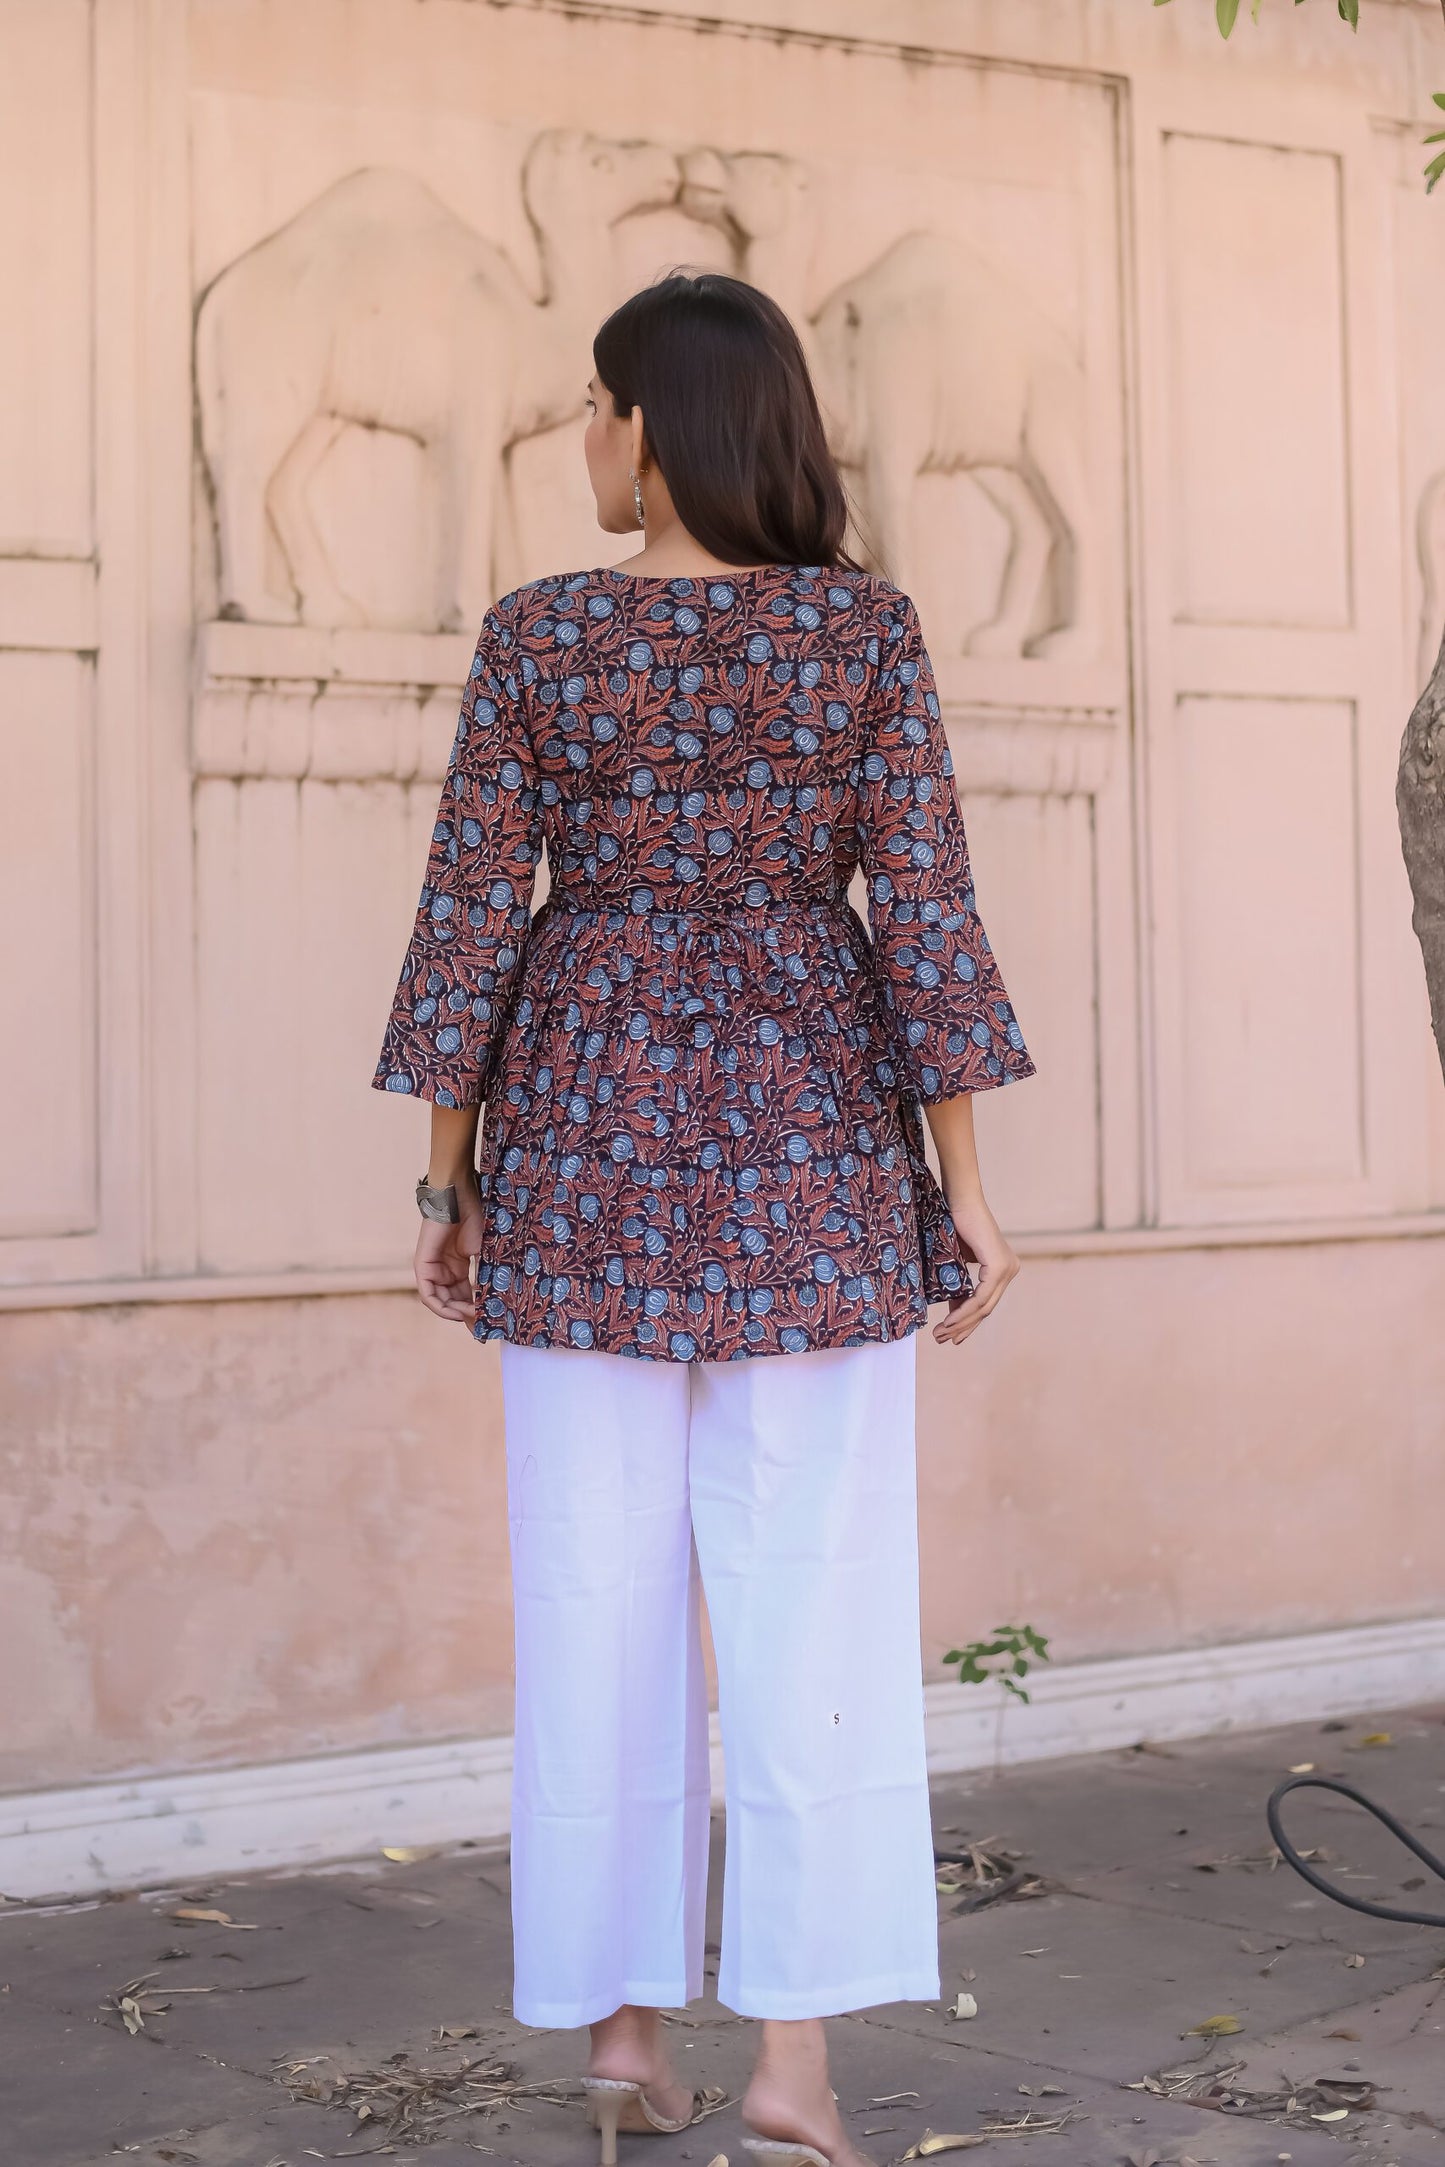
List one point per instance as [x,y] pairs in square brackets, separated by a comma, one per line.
[639,442]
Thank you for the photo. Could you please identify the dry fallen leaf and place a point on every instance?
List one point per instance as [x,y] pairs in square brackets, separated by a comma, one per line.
[1355,1963]
[928,2144]
[1215,2027]
[1334,2114]
[1303,1768]
[1028,2124]
[407,1854]
[1375,1738]
[206,1915]
[721,2160]
[964,2006]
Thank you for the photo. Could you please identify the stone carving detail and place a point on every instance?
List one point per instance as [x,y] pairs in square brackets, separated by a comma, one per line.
[378,306]
[932,361]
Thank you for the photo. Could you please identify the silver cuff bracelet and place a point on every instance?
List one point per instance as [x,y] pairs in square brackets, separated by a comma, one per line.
[438,1204]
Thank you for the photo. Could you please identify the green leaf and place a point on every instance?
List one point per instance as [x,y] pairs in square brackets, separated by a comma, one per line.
[1255,10]
[1433,171]
[1350,13]
[1437,137]
[1224,14]
[1161,3]
[1438,97]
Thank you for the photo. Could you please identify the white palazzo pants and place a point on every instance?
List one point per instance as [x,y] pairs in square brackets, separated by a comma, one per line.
[786,1485]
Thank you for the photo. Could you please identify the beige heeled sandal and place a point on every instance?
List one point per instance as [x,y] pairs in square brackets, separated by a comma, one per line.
[614,2103]
[777,2152]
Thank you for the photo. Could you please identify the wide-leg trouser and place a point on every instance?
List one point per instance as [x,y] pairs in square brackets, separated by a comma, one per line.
[787,1484]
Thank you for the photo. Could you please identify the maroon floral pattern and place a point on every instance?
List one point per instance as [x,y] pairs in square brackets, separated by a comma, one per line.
[702,1076]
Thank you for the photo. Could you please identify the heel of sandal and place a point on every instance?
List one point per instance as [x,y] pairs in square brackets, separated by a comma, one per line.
[606,2099]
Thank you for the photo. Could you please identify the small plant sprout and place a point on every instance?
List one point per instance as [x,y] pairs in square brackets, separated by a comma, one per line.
[1008,1656]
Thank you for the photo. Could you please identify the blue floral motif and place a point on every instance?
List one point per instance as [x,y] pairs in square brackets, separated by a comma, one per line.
[704,1079]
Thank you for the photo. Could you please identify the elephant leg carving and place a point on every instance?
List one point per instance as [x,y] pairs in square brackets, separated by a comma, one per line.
[242,466]
[466,462]
[1026,569]
[890,468]
[1056,465]
[322,600]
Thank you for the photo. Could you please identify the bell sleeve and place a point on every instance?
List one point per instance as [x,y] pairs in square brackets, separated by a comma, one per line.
[454,995]
[950,1019]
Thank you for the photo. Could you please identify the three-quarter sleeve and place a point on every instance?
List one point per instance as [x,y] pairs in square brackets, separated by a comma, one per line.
[452,999]
[951,1020]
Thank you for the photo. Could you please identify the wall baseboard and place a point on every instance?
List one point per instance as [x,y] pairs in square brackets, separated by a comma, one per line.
[150,1831]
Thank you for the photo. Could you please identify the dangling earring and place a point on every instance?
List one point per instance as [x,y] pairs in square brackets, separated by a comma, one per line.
[637,498]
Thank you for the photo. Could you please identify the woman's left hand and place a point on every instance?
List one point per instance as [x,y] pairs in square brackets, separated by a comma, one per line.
[997,1268]
[442,1263]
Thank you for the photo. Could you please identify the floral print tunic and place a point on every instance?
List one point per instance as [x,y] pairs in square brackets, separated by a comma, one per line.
[702,1077]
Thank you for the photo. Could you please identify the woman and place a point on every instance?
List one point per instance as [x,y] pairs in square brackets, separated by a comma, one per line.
[703,1225]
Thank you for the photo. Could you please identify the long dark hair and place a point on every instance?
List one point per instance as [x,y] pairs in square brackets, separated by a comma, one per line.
[731,418]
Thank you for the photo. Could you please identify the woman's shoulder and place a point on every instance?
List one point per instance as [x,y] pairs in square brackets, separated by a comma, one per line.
[606,592]
[534,596]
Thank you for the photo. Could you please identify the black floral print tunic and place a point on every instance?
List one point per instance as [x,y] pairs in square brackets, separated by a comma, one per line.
[702,1077]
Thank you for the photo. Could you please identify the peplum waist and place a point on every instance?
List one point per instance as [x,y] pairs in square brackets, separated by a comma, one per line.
[624,909]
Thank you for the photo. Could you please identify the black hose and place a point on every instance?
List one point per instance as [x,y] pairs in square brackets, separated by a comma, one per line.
[1301,1866]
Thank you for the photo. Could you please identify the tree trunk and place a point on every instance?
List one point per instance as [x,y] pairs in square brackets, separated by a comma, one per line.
[1420,798]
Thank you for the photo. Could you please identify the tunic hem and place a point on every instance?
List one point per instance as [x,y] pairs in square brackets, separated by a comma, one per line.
[628,1347]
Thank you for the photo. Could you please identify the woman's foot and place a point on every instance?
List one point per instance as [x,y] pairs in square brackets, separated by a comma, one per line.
[790,2097]
[629,2045]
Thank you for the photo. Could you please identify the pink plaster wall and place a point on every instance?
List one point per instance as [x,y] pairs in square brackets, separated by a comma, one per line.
[252,1530]
[1158,1450]
[243,1529]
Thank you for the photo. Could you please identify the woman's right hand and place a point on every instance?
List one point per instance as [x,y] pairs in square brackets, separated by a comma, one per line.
[442,1262]
[996,1264]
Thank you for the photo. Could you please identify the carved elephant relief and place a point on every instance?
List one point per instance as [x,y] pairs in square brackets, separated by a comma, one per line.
[377,306]
[932,361]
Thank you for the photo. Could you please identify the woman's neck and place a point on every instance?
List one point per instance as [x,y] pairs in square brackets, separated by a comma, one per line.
[670,552]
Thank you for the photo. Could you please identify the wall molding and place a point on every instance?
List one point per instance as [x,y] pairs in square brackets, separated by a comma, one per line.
[151,1831]
[309,1285]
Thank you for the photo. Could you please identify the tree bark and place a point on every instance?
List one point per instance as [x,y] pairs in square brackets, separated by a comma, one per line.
[1420,799]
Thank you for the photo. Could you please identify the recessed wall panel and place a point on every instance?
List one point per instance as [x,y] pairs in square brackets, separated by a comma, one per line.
[1256,385]
[45,277]
[1269,912]
[47,957]
[1033,860]
[305,898]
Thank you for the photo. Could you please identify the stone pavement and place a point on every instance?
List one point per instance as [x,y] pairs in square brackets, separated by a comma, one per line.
[388,1981]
